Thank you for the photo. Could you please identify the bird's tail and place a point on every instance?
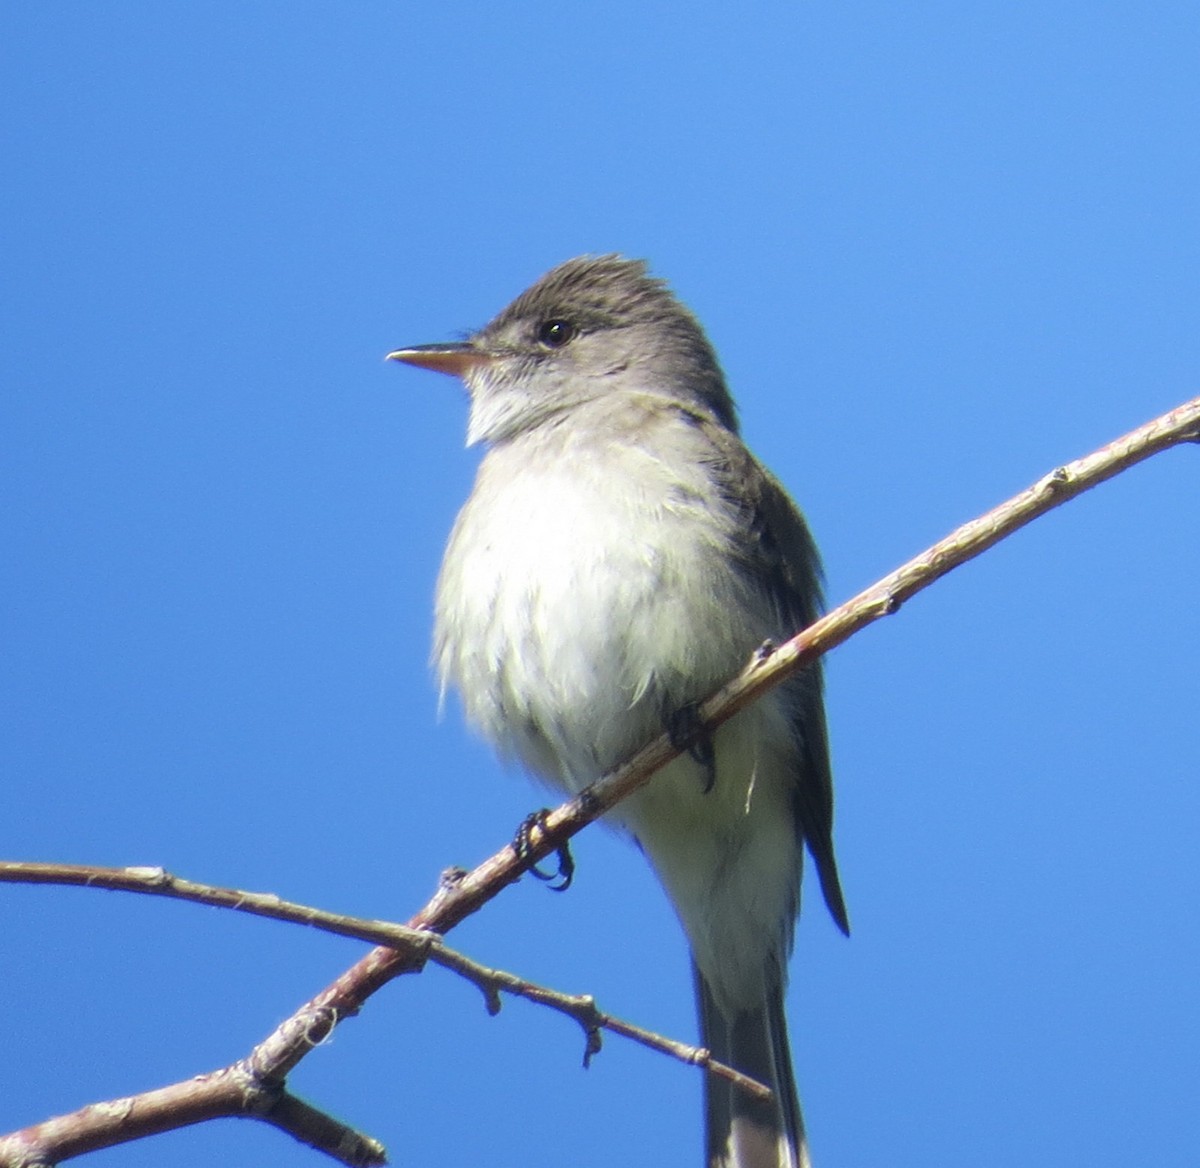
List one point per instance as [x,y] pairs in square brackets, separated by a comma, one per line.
[741,1131]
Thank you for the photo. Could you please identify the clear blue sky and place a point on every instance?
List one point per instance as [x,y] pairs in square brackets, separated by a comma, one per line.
[941,248]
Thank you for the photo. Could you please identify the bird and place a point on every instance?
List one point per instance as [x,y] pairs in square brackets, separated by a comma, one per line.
[621,555]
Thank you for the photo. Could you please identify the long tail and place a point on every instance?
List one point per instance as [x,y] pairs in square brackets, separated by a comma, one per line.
[742,1132]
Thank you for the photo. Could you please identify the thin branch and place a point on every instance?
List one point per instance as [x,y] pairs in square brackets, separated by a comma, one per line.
[419,946]
[583,1009]
[770,665]
[159,882]
[237,1090]
[288,1044]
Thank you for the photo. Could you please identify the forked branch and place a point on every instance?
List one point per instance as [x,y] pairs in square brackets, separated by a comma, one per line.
[268,1064]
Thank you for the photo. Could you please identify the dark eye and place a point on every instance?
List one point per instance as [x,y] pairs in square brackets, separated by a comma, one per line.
[555,333]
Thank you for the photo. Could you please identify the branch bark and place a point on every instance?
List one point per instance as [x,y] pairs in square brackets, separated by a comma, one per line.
[772,665]
[419,945]
[464,893]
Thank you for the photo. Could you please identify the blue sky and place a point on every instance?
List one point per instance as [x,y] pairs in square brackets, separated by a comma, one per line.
[940,247]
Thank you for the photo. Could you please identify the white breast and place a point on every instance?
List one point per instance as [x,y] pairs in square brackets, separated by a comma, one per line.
[580,588]
[585,596]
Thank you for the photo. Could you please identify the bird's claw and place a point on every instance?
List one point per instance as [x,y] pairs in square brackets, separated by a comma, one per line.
[558,881]
[688,732]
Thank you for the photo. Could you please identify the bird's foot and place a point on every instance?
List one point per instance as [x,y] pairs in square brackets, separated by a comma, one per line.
[558,881]
[688,732]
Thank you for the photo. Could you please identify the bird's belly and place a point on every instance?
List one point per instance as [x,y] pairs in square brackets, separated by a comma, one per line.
[571,628]
[571,622]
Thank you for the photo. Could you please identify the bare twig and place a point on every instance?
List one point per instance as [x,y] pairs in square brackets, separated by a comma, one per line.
[159,882]
[583,1008]
[238,1090]
[420,946]
[288,1044]
[771,666]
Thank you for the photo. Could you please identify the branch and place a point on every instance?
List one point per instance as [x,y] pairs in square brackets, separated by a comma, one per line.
[770,665]
[239,1090]
[583,1008]
[419,946]
[464,893]
[159,882]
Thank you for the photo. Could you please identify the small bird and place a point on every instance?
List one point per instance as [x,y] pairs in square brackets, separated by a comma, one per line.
[622,554]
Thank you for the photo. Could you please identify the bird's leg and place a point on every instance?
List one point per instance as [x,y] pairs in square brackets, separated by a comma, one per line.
[558,881]
[688,732]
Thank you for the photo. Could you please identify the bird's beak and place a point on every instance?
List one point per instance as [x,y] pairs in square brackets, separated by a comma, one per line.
[456,359]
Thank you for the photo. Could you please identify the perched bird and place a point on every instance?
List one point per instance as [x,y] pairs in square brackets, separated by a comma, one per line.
[622,555]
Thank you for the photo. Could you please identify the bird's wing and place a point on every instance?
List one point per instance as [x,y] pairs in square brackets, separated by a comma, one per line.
[773,544]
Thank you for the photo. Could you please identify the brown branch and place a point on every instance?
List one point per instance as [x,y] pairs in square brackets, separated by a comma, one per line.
[583,1009]
[771,666]
[418,945]
[240,1090]
[458,898]
[159,882]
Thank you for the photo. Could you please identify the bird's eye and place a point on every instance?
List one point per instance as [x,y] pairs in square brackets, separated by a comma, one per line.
[555,333]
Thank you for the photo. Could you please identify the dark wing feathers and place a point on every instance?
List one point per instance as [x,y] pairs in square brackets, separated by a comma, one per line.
[780,557]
